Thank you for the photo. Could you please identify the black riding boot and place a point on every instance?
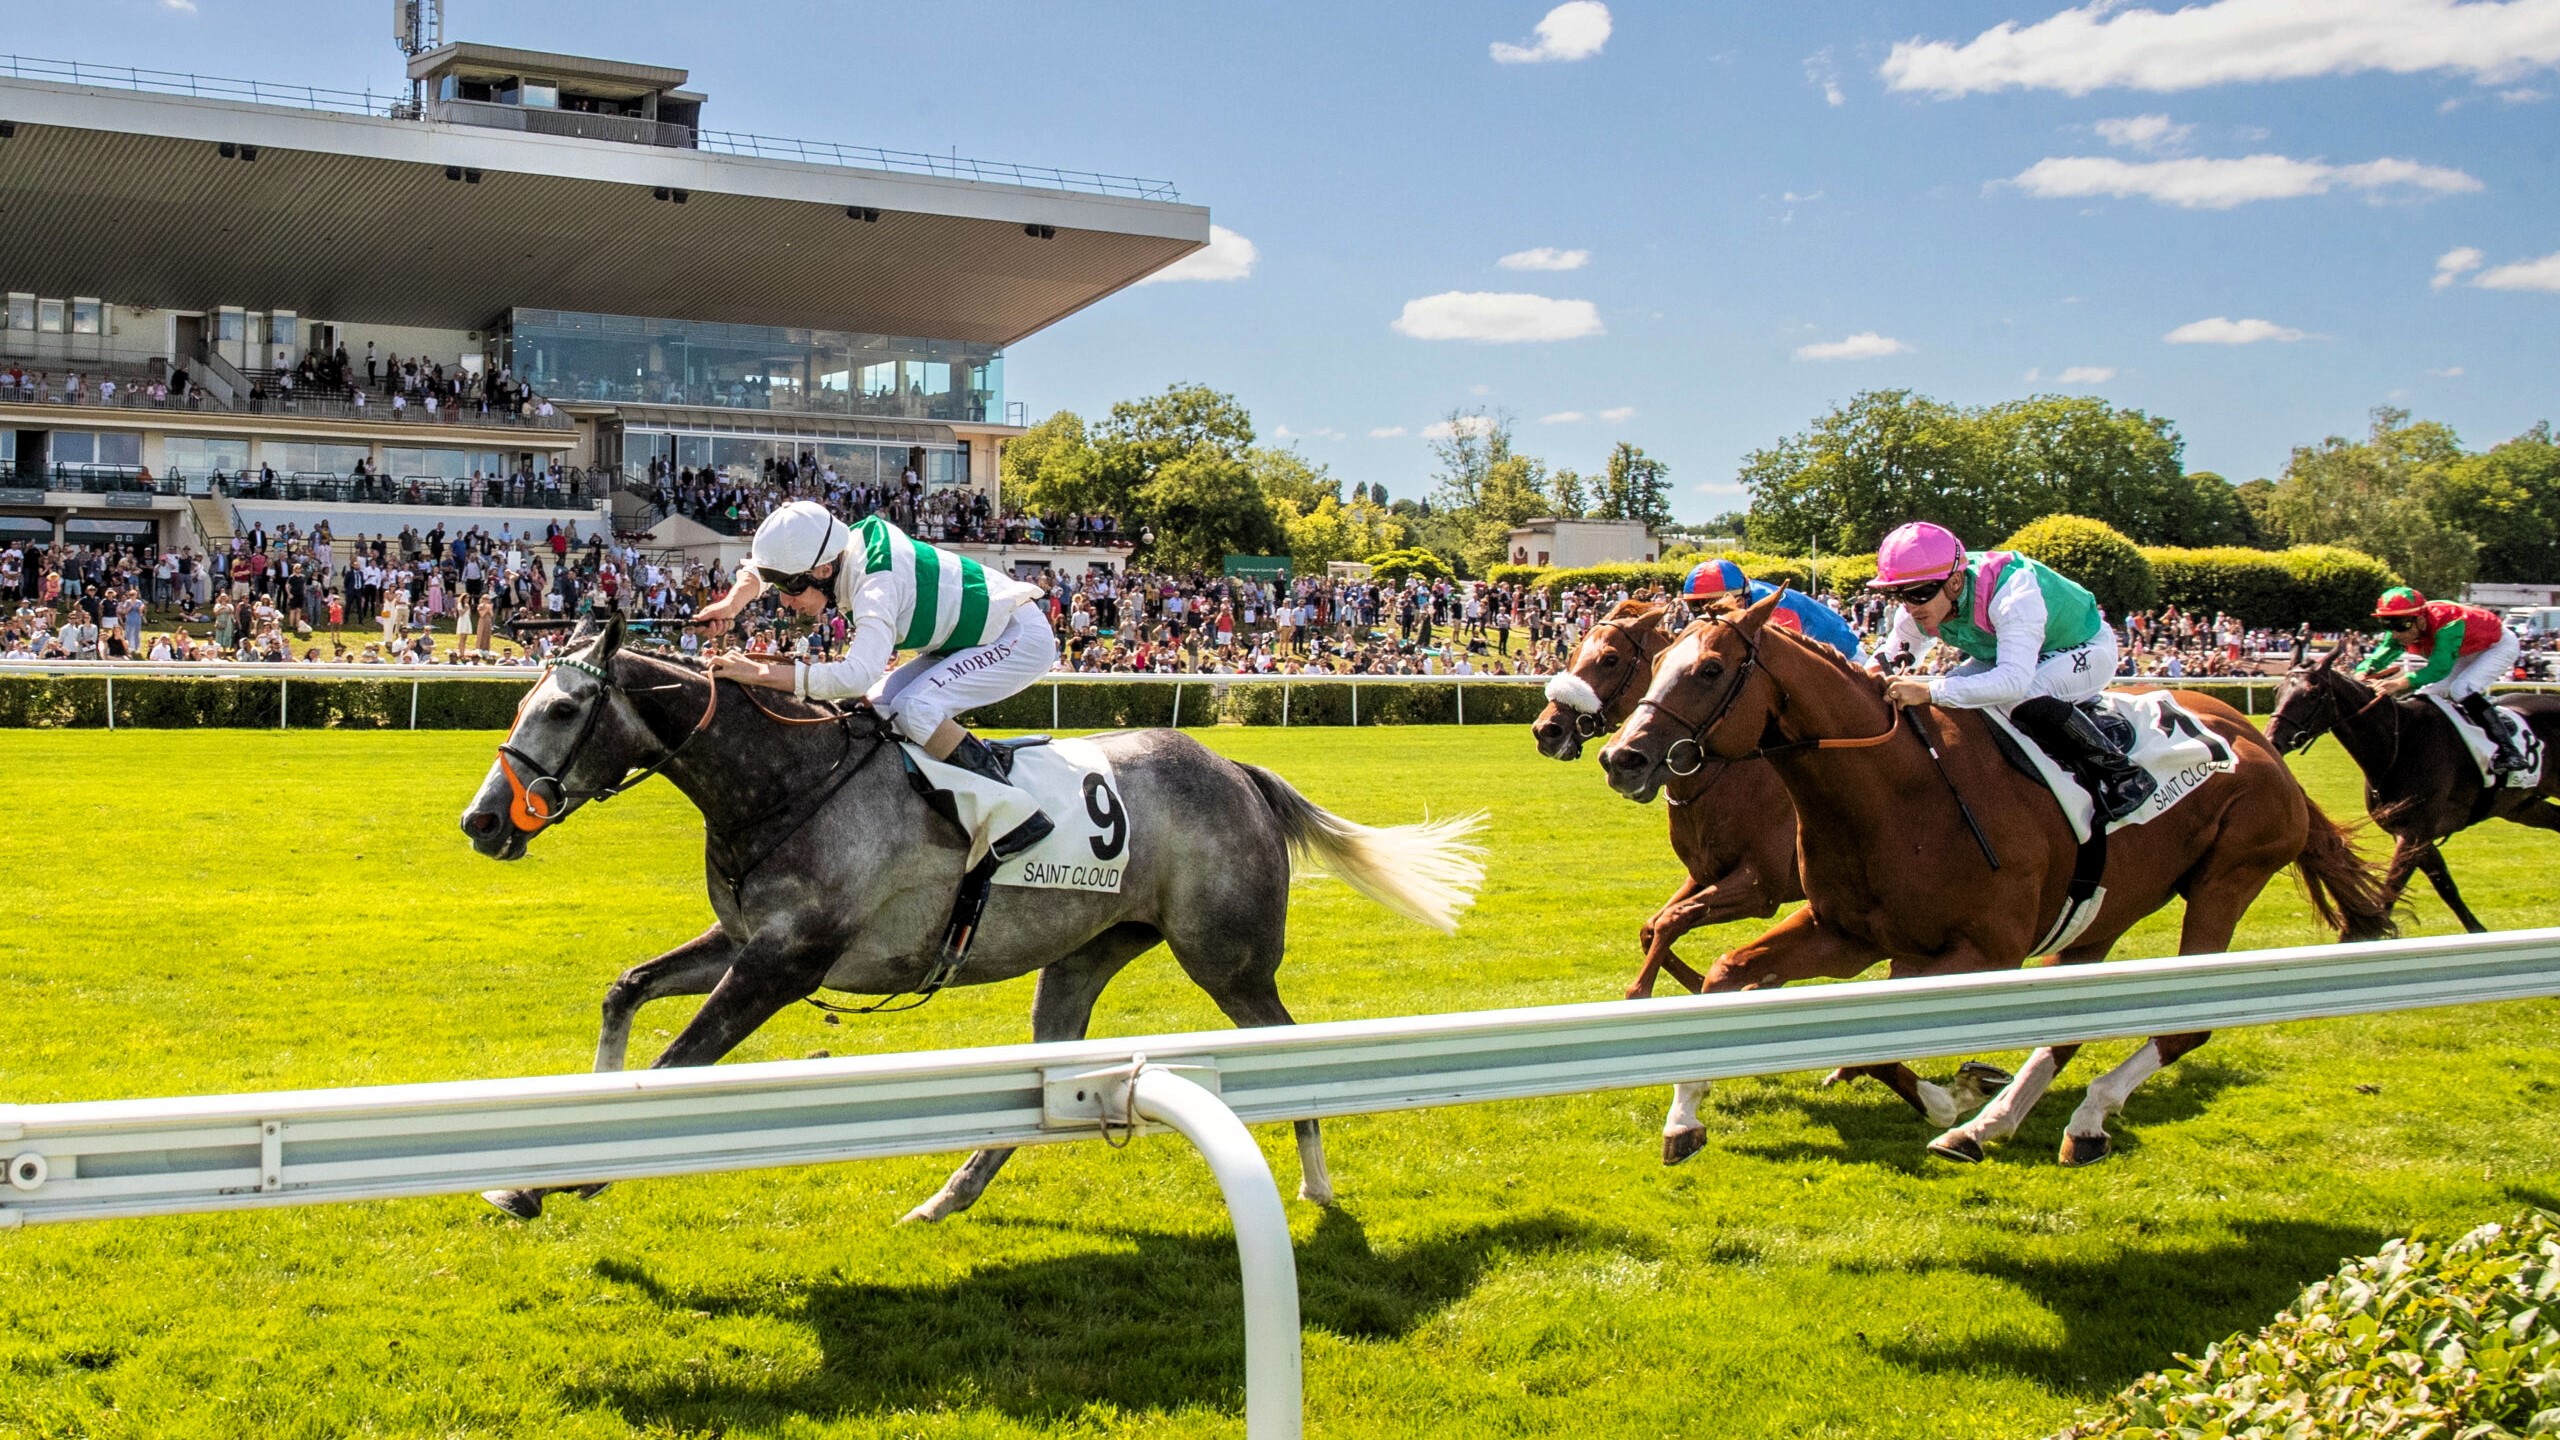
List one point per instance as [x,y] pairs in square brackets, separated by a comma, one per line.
[2116,786]
[979,758]
[2499,725]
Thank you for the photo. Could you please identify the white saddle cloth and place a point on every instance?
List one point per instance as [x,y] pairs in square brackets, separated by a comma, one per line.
[1070,781]
[2484,754]
[2169,741]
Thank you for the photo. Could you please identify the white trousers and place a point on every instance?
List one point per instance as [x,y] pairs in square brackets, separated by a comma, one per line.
[919,695]
[2067,675]
[2481,671]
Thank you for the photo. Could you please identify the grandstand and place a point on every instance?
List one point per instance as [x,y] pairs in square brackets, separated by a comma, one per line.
[532,285]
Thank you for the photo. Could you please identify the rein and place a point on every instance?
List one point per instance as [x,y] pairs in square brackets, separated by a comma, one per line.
[545,797]
[1586,723]
[1695,739]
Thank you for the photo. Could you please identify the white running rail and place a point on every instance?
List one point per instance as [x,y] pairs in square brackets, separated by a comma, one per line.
[113,1159]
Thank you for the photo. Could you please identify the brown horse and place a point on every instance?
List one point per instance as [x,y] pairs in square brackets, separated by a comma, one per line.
[1740,850]
[1894,874]
[2419,784]
[1732,826]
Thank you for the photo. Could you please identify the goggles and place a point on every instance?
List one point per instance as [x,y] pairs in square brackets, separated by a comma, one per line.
[791,582]
[2398,622]
[1915,594]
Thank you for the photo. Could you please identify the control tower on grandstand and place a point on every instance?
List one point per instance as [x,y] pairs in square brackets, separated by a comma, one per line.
[660,297]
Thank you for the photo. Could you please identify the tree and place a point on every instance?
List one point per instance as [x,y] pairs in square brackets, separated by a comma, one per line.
[2096,555]
[1635,487]
[1570,494]
[1052,466]
[2078,455]
[1336,531]
[2387,495]
[1204,506]
[2214,513]
[1289,478]
[1180,464]
[2508,497]
[1886,457]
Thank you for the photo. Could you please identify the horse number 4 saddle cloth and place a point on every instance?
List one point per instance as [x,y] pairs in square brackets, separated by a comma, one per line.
[1070,781]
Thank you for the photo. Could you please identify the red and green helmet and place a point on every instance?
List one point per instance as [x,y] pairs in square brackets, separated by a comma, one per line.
[2399,603]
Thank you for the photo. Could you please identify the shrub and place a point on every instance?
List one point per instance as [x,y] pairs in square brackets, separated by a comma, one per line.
[1634,577]
[1518,574]
[2334,587]
[1848,574]
[2423,1339]
[1394,567]
[2255,585]
[2094,554]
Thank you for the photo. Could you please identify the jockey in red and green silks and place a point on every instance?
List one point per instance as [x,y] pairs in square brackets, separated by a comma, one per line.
[2465,650]
[2036,647]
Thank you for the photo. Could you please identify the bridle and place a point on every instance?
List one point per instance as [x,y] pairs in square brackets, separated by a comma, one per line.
[1587,723]
[1695,732]
[541,795]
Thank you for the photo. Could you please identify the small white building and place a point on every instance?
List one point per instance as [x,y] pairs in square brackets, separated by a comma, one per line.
[1571,544]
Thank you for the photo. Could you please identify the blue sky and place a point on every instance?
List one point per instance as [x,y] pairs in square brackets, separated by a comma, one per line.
[1779,206]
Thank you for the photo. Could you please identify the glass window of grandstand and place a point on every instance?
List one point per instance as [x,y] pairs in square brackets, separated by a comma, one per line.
[442,464]
[633,360]
[22,311]
[49,317]
[196,459]
[78,453]
[287,457]
[88,317]
[744,459]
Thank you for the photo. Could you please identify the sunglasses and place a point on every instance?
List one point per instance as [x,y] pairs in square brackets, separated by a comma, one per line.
[791,583]
[1915,594]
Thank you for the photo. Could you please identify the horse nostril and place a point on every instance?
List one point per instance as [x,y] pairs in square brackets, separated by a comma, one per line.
[480,822]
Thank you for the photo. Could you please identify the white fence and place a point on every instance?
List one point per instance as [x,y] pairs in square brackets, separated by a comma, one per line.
[127,1158]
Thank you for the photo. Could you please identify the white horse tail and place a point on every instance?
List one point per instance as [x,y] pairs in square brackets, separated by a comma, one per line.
[1427,872]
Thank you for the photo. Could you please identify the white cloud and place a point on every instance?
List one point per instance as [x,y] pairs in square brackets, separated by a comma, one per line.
[1229,256]
[1497,318]
[1282,432]
[1574,30]
[1479,389]
[2150,134]
[2450,372]
[2088,375]
[1328,434]
[2542,274]
[1563,417]
[1389,432]
[1792,198]
[1545,257]
[2521,95]
[2202,184]
[183,7]
[2034,373]
[1818,71]
[2105,44]
[1462,425]
[2451,264]
[1619,416]
[1865,345]
[2222,330]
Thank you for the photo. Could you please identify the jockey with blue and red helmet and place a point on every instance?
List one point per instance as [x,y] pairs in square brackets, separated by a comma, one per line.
[2035,646]
[1715,579]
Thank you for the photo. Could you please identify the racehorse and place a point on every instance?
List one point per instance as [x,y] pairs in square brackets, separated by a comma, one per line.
[2419,782]
[1740,850]
[1894,873]
[827,869]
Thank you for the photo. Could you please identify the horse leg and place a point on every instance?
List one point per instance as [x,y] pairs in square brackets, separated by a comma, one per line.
[2405,853]
[1736,895]
[1061,1009]
[2432,865]
[2214,908]
[1254,1000]
[692,968]
[2008,1109]
[760,980]
[1656,948]
[1796,948]
[1940,1105]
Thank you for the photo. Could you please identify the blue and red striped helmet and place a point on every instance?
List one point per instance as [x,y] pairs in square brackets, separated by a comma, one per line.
[1714,578]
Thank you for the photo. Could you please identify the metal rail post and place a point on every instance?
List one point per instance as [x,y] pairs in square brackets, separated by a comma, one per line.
[1355,704]
[413,704]
[1177,706]
[284,701]
[1284,704]
[1274,1367]
[111,702]
[1462,703]
[1054,688]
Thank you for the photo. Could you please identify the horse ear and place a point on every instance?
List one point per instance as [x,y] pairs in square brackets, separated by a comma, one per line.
[613,632]
[1758,615]
[2329,661]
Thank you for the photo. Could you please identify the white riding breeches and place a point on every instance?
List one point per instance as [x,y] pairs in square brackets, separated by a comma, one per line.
[2071,675]
[919,695]
[2481,671]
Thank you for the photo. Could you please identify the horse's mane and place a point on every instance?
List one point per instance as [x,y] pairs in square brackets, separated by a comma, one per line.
[781,703]
[1728,610]
[1632,609]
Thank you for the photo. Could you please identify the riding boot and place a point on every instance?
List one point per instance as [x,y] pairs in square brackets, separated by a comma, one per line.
[2498,724]
[2116,786]
[979,758]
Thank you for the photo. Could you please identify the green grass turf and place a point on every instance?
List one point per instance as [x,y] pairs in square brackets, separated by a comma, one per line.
[190,912]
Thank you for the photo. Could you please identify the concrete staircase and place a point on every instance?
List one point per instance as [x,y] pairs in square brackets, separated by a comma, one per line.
[213,521]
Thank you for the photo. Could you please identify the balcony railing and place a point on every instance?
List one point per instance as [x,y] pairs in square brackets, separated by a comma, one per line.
[434,490]
[574,124]
[338,403]
[727,142]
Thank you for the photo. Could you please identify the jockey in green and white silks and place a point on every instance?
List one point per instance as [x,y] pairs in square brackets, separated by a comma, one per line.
[2035,644]
[980,635]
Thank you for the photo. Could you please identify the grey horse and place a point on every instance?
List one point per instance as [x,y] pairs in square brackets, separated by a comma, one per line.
[828,870]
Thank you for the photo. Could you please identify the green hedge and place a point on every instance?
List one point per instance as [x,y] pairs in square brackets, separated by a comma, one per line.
[1507,574]
[1634,577]
[2096,555]
[2330,587]
[2426,1339]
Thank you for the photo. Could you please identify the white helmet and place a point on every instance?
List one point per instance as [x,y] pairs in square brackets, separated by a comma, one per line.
[798,538]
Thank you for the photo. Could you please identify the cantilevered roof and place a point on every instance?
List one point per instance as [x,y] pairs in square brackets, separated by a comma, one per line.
[127,196]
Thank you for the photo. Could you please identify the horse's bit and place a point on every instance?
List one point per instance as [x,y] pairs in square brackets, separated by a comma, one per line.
[546,796]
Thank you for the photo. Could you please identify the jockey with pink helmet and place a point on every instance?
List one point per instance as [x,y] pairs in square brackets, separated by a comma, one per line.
[2035,647]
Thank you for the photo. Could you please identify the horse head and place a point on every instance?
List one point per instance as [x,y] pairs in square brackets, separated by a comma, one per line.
[2315,696]
[1710,699]
[576,737]
[1599,688]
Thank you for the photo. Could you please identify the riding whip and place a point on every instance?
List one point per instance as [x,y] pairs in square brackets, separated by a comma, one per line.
[1962,808]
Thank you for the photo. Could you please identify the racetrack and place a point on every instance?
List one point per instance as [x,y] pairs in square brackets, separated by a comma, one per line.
[202,911]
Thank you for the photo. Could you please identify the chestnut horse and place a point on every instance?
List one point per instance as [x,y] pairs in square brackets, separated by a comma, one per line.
[1732,826]
[1894,874]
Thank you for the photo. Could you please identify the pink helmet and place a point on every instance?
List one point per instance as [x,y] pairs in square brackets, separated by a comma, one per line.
[1915,554]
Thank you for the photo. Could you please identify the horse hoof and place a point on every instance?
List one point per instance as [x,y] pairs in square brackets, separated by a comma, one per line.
[588,1192]
[521,1204]
[1316,1196]
[1641,990]
[1962,1148]
[1988,1076]
[2079,1150]
[1679,1145]
[1837,1077]
[931,1212]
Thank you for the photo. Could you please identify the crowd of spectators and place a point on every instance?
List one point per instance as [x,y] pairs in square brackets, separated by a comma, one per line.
[734,505]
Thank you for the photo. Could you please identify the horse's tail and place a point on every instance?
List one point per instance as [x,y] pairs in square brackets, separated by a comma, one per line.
[1427,872]
[2344,888]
